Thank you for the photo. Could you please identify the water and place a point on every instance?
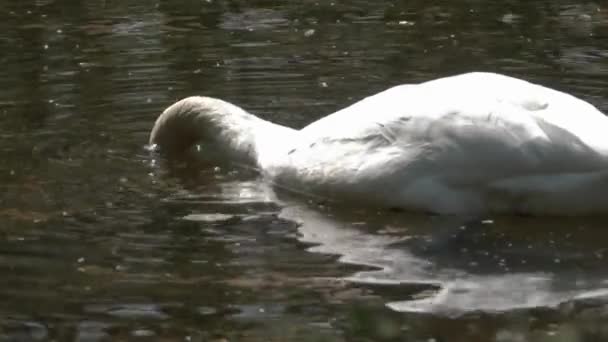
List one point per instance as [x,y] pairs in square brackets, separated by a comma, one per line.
[100,240]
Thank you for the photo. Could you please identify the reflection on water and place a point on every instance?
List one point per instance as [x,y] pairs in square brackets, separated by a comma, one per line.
[444,266]
[465,267]
[101,241]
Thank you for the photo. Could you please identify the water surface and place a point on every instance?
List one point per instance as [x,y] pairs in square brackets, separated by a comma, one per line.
[101,240]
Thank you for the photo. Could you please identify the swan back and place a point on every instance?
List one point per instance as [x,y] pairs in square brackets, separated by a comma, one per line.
[462,144]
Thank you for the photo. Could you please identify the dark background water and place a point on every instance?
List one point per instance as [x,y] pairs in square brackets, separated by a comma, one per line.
[101,241]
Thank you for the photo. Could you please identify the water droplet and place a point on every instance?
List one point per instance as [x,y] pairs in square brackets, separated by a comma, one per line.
[142,333]
[152,148]
[406,23]
[210,218]
[309,33]
[510,18]
[207,310]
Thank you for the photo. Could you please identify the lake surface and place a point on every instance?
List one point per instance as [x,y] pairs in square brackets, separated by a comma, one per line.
[101,240]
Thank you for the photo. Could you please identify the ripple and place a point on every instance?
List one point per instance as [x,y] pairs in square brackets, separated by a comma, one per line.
[132,311]
[436,288]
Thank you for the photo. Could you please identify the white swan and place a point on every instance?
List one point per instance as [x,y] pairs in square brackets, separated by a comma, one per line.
[467,144]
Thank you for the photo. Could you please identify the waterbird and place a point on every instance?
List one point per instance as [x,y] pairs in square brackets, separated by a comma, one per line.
[469,144]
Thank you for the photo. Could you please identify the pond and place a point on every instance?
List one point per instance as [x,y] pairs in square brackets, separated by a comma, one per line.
[102,240]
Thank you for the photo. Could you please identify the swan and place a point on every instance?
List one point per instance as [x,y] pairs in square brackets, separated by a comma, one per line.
[469,144]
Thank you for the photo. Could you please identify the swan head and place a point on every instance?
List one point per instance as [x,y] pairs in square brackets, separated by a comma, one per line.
[187,122]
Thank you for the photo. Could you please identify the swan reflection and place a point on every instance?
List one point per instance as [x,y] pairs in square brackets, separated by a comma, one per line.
[449,265]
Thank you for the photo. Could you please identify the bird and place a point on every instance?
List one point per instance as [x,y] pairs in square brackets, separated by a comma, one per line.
[469,144]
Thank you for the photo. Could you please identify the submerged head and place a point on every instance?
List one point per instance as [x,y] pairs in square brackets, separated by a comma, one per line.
[184,123]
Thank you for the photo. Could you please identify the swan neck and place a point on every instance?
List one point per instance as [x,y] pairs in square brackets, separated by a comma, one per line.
[245,138]
[225,129]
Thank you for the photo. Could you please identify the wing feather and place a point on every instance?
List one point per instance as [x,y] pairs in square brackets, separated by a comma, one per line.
[469,129]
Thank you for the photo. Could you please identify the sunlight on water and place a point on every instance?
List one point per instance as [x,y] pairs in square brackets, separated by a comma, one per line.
[459,291]
[102,239]
[441,290]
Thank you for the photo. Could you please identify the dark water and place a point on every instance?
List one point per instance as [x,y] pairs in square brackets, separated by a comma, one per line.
[101,241]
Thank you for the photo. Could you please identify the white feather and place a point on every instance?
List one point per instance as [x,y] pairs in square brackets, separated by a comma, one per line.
[467,144]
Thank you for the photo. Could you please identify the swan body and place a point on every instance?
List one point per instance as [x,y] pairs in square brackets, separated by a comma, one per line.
[467,144]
